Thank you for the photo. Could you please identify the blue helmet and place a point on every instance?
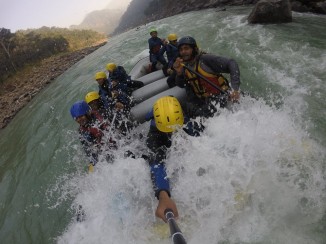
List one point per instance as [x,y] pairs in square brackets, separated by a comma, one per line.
[79,108]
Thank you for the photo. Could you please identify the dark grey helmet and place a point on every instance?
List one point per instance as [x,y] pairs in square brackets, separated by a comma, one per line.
[188,40]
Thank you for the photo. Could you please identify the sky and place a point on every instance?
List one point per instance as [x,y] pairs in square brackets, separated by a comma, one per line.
[25,14]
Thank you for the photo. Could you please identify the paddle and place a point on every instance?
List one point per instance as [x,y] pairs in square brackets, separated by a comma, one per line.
[112,124]
[176,234]
[205,79]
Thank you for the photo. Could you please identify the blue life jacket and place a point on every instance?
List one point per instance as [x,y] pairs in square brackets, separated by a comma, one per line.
[155,45]
[105,94]
[124,99]
[92,135]
[120,75]
[172,53]
[120,87]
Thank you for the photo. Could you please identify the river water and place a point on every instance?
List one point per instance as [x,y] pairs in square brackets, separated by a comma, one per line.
[256,175]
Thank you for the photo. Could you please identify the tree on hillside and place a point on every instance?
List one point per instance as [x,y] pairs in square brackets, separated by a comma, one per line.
[7,45]
[30,46]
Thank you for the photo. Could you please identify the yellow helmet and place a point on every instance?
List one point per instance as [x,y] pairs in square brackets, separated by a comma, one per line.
[100,75]
[172,37]
[168,114]
[91,96]
[111,67]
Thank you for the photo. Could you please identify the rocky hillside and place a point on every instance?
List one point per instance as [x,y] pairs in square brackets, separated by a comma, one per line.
[133,16]
[18,90]
[143,11]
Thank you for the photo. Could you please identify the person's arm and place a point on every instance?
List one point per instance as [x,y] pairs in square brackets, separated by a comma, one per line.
[162,50]
[161,187]
[165,202]
[159,178]
[123,98]
[89,150]
[225,65]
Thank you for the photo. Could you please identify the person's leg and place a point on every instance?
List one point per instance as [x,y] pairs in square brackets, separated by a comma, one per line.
[153,60]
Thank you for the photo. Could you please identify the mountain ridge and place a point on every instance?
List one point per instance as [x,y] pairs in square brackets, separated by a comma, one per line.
[103,21]
[140,12]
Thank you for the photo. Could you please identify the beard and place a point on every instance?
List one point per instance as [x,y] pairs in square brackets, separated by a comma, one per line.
[186,58]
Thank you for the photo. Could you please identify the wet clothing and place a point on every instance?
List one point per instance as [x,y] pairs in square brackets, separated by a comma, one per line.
[105,93]
[155,55]
[91,136]
[122,123]
[172,53]
[121,87]
[121,75]
[158,142]
[201,96]
[123,98]
[155,44]
[105,112]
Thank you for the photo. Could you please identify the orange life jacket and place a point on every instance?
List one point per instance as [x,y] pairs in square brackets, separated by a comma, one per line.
[201,87]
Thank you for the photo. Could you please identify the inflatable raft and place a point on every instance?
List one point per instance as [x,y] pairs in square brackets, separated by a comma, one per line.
[155,86]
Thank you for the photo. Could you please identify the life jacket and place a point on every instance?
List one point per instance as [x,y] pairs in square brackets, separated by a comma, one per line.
[120,74]
[105,94]
[172,52]
[156,49]
[201,87]
[155,45]
[121,87]
[94,134]
[104,111]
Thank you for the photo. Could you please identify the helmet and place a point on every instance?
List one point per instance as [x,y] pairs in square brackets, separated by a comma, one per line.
[187,40]
[172,37]
[100,75]
[167,114]
[153,29]
[111,67]
[79,108]
[91,96]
